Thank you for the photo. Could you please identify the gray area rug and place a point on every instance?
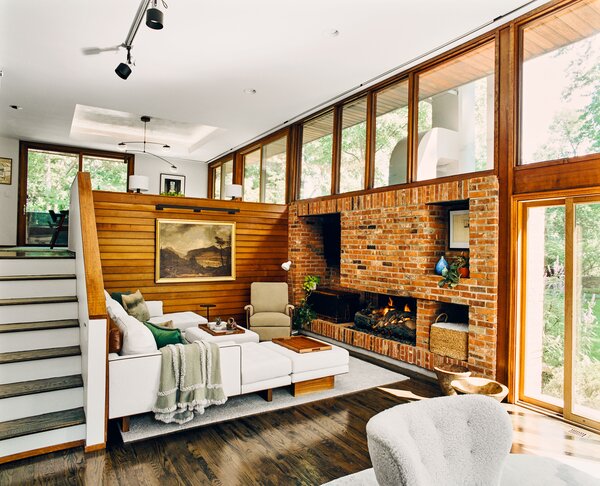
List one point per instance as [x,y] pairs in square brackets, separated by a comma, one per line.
[362,376]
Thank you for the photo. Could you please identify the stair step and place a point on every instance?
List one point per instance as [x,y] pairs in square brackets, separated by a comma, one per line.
[38,300]
[41,266]
[39,326]
[41,423]
[36,354]
[58,276]
[35,254]
[37,386]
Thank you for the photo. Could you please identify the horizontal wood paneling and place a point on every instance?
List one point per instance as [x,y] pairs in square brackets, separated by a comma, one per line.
[126,236]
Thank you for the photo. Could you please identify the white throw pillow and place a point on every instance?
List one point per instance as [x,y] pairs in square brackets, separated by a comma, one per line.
[115,310]
[155,307]
[137,338]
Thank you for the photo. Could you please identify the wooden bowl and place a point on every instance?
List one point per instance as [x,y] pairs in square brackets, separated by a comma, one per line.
[480,386]
[447,373]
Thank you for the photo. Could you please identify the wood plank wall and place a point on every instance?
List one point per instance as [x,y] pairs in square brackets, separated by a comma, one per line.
[126,226]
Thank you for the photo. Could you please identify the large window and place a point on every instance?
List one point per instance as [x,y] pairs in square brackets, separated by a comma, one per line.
[265,172]
[560,115]
[391,135]
[317,157]
[456,115]
[222,174]
[354,145]
[48,176]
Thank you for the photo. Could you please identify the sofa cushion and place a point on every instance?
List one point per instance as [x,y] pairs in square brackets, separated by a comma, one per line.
[181,320]
[137,338]
[115,339]
[259,364]
[115,310]
[269,296]
[155,307]
[163,336]
[269,319]
[303,362]
[135,305]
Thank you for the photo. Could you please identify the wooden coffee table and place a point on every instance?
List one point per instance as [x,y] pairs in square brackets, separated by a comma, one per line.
[301,344]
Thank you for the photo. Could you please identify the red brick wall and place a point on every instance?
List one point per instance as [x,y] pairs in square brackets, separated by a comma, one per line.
[390,243]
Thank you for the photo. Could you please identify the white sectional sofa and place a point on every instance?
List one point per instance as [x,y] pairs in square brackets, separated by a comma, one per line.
[246,367]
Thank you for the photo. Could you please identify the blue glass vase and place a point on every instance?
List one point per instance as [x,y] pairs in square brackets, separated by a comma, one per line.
[440,265]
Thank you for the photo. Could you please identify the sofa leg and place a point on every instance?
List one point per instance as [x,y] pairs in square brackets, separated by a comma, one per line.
[125,424]
[267,394]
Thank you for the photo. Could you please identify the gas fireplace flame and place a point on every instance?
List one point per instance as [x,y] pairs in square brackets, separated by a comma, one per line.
[406,308]
[390,302]
[390,306]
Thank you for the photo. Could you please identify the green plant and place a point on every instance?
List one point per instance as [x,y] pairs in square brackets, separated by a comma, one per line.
[451,275]
[303,313]
[172,193]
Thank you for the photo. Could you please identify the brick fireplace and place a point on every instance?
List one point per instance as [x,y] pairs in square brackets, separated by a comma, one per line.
[390,242]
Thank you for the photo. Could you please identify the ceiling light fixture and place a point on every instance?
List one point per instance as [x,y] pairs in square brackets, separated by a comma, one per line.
[154,20]
[250,91]
[125,146]
[16,107]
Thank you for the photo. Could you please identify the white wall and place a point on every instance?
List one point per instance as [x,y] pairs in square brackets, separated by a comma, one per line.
[9,148]
[195,173]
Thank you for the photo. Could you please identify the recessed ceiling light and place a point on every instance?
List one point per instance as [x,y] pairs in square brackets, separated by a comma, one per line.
[250,91]
[16,107]
[333,32]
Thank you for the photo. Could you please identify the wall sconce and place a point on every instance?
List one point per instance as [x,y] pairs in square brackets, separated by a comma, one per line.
[286,265]
[232,191]
[138,183]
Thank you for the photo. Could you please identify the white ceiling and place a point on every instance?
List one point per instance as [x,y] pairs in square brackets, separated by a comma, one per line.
[194,71]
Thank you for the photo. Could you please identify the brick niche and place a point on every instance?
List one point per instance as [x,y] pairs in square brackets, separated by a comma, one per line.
[390,242]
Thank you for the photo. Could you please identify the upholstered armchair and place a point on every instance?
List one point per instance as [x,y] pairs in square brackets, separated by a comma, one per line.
[269,314]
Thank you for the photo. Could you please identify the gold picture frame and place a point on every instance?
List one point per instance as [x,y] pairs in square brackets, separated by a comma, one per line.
[194,251]
[5,171]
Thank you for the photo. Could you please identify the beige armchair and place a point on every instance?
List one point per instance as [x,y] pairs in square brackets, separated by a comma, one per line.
[269,314]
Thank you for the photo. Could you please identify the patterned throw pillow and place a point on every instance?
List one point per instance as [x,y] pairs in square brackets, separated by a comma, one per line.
[135,306]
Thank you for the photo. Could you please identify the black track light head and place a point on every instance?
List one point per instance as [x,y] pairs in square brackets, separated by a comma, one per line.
[123,70]
[154,18]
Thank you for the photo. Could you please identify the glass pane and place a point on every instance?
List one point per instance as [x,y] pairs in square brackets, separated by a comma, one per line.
[391,135]
[317,155]
[456,115]
[227,175]
[586,324]
[49,179]
[545,304]
[561,84]
[252,176]
[106,174]
[354,145]
[274,166]
[217,183]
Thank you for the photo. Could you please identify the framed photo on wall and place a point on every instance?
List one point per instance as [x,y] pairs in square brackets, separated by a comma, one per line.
[172,184]
[458,229]
[194,251]
[5,171]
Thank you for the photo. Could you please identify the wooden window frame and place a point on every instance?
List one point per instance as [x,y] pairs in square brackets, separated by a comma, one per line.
[80,152]
[218,165]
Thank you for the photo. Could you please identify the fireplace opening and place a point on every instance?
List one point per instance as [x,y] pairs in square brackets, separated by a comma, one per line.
[388,316]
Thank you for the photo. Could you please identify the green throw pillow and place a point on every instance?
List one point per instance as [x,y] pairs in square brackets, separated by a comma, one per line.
[118,296]
[135,305]
[164,336]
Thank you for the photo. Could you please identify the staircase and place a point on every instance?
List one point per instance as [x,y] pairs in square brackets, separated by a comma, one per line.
[41,389]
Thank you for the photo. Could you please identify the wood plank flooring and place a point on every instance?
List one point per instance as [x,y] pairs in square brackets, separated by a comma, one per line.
[306,445]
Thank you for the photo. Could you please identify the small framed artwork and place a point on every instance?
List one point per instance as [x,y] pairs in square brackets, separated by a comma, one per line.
[194,251]
[5,171]
[458,226]
[172,185]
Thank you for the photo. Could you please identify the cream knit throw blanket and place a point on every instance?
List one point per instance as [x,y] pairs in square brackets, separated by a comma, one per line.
[190,380]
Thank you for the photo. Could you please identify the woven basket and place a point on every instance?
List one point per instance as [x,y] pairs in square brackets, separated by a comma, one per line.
[449,339]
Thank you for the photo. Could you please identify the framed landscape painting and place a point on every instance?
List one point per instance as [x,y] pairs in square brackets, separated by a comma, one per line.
[194,251]
[5,171]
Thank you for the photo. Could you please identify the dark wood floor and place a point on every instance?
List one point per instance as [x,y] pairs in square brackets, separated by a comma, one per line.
[306,445]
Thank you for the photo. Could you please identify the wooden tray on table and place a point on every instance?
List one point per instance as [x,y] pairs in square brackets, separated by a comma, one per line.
[224,332]
[302,344]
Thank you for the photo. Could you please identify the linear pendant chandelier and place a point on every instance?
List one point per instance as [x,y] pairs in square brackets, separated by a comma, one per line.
[126,146]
